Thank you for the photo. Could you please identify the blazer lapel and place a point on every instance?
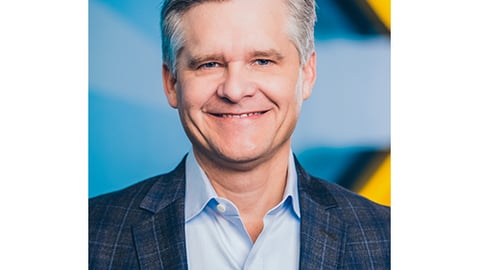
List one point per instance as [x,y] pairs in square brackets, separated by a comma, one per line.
[322,233]
[160,240]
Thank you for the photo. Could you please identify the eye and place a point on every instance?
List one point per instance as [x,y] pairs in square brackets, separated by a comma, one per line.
[209,65]
[263,62]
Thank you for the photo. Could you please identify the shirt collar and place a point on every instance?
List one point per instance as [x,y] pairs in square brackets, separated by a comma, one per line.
[199,190]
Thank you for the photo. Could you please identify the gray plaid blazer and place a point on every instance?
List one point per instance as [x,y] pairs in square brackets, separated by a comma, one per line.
[142,226]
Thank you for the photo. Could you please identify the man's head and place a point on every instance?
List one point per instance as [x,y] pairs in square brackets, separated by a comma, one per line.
[300,26]
[240,78]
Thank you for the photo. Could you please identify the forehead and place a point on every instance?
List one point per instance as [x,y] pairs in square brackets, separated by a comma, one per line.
[235,24]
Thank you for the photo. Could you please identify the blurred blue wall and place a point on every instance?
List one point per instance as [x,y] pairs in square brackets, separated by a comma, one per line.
[134,134]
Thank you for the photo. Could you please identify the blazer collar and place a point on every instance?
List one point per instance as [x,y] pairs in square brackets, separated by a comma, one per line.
[321,231]
[160,240]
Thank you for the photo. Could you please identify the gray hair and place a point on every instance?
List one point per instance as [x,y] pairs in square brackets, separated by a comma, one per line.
[299,27]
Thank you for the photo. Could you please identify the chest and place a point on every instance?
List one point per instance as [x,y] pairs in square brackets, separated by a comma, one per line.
[218,239]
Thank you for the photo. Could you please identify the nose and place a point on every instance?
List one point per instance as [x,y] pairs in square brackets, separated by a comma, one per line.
[236,84]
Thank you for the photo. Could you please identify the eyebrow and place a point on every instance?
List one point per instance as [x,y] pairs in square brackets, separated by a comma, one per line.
[194,61]
[274,54]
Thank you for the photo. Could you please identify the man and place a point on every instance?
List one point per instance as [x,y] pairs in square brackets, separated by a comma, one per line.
[238,71]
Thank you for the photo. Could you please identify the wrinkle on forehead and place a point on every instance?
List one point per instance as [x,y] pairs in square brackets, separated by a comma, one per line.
[208,30]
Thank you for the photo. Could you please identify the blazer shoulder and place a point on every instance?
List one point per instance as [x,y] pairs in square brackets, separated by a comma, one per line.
[120,206]
[354,210]
[359,227]
[337,198]
[112,217]
[349,199]
[123,197]
[136,193]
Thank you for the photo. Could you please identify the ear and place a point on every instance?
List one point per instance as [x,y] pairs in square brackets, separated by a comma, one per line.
[169,86]
[309,75]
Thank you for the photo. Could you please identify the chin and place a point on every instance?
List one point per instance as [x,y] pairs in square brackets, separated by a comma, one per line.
[239,156]
[243,157]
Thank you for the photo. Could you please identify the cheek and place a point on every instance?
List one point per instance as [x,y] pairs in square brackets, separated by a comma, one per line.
[191,94]
[283,92]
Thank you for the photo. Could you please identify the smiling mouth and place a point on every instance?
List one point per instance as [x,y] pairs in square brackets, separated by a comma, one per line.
[239,115]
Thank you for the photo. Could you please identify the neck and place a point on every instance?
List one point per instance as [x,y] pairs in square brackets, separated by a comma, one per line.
[253,191]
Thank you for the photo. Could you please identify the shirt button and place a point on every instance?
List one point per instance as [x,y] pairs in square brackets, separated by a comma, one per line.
[221,208]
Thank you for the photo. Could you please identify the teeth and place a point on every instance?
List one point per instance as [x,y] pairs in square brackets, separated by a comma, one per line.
[243,115]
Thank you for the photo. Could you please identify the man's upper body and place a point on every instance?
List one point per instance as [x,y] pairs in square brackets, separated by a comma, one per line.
[238,71]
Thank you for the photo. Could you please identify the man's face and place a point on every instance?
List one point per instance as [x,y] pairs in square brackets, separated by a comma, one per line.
[239,85]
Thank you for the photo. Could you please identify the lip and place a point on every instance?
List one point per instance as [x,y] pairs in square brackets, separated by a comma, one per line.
[240,115]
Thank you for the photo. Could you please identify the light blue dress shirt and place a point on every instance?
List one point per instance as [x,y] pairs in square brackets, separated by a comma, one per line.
[216,238]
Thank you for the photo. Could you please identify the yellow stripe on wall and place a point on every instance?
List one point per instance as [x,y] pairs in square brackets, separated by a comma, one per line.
[382,8]
[377,187]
